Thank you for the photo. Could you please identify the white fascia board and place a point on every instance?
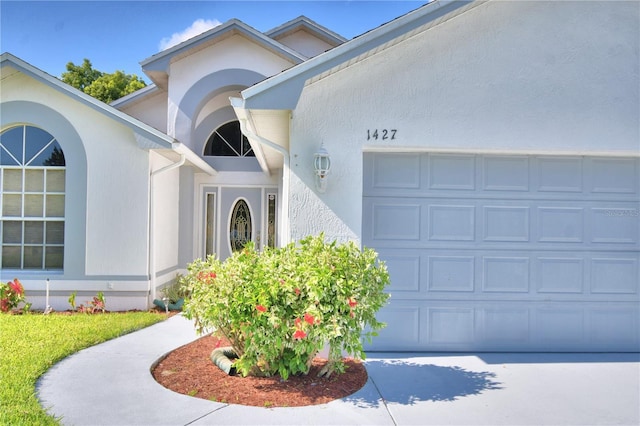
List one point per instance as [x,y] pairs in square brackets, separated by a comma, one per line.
[283,90]
[194,159]
[160,61]
[154,136]
[243,116]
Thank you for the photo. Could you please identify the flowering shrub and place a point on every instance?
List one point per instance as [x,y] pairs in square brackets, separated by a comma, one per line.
[279,307]
[11,295]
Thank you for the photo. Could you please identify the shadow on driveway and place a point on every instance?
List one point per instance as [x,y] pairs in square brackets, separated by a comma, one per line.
[407,383]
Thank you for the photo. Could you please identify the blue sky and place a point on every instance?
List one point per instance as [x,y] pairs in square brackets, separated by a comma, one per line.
[117,35]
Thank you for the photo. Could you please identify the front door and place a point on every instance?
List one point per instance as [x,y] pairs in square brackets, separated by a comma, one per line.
[236,215]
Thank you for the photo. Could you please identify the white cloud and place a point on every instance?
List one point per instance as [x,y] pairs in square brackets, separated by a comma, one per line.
[198,27]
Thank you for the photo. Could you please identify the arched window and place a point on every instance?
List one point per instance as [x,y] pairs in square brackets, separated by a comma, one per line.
[32,178]
[228,141]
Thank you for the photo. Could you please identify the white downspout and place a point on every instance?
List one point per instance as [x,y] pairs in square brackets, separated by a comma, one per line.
[284,224]
[151,291]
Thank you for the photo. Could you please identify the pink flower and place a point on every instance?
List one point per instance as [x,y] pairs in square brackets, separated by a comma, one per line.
[309,319]
[297,322]
[352,302]
[299,334]
[204,276]
[16,287]
[261,308]
[297,290]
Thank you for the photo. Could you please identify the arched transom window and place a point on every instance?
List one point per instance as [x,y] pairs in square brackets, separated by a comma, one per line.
[228,141]
[32,178]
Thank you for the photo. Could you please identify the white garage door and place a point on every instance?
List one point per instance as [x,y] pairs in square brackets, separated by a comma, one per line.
[506,253]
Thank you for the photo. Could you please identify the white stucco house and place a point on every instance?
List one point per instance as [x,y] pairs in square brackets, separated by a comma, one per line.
[488,150]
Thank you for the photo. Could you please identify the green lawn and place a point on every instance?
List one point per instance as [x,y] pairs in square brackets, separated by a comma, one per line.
[30,344]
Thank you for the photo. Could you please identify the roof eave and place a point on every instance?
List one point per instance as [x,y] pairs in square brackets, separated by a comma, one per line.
[304,22]
[156,67]
[136,96]
[146,136]
[159,138]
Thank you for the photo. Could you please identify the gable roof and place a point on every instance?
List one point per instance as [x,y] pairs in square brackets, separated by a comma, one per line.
[283,90]
[157,66]
[302,22]
[146,136]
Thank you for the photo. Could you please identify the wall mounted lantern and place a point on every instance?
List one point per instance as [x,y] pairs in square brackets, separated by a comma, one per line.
[321,165]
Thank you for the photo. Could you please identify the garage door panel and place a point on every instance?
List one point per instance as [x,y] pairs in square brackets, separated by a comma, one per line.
[616,225]
[403,330]
[505,173]
[404,267]
[559,174]
[527,177]
[506,223]
[395,221]
[504,327]
[505,274]
[560,224]
[451,172]
[518,326]
[451,274]
[613,175]
[511,275]
[552,225]
[452,327]
[531,253]
[615,275]
[559,327]
[397,171]
[451,222]
[614,327]
[557,275]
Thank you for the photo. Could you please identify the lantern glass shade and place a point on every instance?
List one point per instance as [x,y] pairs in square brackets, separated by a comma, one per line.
[321,162]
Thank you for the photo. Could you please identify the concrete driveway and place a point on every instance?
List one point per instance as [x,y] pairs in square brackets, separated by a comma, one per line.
[111,384]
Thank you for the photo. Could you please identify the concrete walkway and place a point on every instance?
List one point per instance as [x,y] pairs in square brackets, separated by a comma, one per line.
[111,384]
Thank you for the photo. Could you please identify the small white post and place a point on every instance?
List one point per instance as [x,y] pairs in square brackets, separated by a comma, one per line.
[47,306]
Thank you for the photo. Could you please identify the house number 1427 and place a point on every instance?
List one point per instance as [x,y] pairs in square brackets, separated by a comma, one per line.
[382,134]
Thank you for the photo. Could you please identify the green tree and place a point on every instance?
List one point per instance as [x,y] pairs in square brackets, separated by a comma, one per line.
[106,87]
[80,76]
[110,87]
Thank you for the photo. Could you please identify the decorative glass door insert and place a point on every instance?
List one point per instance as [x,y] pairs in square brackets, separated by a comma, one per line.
[240,231]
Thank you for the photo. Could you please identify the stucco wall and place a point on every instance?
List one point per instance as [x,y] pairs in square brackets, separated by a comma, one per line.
[545,77]
[166,205]
[305,43]
[152,110]
[106,206]
[248,62]
[117,195]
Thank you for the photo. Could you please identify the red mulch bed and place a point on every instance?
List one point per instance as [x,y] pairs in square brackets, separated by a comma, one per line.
[188,370]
